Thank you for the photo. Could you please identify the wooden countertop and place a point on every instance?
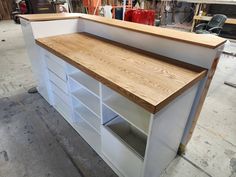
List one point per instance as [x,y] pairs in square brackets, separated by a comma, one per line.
[209,41]
[231,21]
[51,16]
[142,77]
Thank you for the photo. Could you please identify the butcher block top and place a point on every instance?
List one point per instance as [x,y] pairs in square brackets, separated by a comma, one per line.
[205,40]
[149,80]
[51,16]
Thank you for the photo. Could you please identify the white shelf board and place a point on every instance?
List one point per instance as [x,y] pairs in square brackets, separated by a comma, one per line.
[86,81]
[129,111]
[88,117]
[87,99]
[89,135]
[130,136]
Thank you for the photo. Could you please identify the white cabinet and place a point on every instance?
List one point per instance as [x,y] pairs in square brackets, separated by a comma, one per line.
[119,130]
[37,63]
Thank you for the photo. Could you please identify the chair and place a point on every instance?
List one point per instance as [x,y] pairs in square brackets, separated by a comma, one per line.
[214,26]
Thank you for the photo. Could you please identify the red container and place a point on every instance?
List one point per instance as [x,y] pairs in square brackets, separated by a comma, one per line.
[140,16]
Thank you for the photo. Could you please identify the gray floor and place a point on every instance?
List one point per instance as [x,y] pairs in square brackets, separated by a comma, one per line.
[35,141]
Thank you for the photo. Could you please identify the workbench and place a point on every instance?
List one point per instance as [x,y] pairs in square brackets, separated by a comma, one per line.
[133,92]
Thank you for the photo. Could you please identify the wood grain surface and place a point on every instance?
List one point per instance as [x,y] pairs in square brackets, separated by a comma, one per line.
[205,40]
[149,80]
[51,16]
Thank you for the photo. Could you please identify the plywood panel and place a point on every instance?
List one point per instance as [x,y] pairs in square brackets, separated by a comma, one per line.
[5,9]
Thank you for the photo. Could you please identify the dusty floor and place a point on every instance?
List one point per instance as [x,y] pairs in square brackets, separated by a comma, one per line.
[35,141]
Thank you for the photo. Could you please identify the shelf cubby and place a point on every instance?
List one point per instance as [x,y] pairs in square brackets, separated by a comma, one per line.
[86,81]
[131,112]
[92,137]
[88,117]
[71,69]
[128,134]
[90,101]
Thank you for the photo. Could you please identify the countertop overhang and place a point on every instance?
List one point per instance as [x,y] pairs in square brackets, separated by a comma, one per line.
[149,80]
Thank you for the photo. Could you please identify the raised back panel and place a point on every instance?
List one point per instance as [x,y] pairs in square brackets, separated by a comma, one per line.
[189,53]
[55,27]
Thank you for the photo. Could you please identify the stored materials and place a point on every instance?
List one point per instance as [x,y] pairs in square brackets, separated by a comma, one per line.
[102,94]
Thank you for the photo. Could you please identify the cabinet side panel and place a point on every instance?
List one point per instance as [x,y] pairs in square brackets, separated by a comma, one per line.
[37,63]
[166,133]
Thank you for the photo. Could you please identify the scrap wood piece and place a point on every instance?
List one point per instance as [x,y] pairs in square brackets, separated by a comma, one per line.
[230,84]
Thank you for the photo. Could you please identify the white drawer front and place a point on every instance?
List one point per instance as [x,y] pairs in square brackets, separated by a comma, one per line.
[56,68]
[122,157]
[58,81]
[64,96]
[62,108]
[58,60]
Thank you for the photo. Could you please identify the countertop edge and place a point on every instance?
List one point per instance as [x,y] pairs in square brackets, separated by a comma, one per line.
[141,102]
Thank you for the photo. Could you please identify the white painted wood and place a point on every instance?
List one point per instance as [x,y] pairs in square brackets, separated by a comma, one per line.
[166,133]
[88,134]
[123,158]
[71,69]
[73,85]
[36,59]
[196,103]
[62,108]
[129,135]
[56,68]
[58,81]
[130,111]
[65,97]
[193,54]
[55,27]
[107,114]
[88,100]
[56,59]
[88,117]
[86,81]
[164,129]
[189,53]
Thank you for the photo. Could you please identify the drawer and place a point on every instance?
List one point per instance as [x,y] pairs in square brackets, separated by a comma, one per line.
[58,81]
[62,108]
[54,58]
[56,68]
[123,157]
[65,97]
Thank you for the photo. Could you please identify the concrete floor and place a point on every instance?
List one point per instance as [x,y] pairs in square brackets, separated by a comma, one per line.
[35,141]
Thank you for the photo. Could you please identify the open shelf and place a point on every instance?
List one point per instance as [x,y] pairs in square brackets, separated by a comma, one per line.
[88,100]
[88,117]
[88,133]
[86,81]
[128,110]
[128,134]
[71,69]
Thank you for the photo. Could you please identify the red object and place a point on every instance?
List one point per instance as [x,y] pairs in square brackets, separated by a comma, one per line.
[140,16]
[23,8]
[91,5]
